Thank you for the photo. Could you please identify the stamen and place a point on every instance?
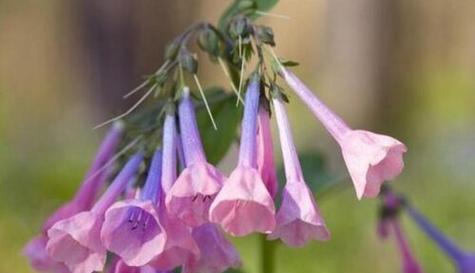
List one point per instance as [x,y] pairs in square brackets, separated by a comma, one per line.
[194,198]
[145,222]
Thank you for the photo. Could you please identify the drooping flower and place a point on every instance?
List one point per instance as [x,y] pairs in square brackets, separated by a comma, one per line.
[389,221]
[244,204]
[265,153]
[132,227]
[370,158]
[179,245]
[191,195]
[75,241]
[298,219]
[83,200]
[463,261]
[217,253]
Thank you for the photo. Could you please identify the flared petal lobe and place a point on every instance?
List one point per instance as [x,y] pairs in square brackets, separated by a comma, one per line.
[217,253]
[133,231]
[76,242]
[190,197]
[371,159]
[39,258]
[180,246]
[299,219]
[244,205]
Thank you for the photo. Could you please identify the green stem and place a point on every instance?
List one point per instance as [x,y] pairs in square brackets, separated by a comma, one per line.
[267,255]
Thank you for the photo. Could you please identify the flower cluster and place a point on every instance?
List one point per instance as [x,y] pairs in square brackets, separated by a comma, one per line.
[389,220]
[179,219]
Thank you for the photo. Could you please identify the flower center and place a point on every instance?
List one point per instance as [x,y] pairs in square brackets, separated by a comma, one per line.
[137,217]
[203,198]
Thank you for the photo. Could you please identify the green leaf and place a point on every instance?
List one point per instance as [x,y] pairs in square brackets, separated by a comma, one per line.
[265,5]
[227,116]
[244,6]
[314,171]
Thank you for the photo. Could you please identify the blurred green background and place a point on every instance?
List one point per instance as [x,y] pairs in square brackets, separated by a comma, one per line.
[405,68]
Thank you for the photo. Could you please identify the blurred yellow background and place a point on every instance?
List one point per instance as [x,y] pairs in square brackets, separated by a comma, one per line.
[405,68]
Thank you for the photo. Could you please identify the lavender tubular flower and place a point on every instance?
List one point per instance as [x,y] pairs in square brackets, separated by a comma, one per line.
[132,228]
[244,204]
[75,241]
[370,158]
[191,195]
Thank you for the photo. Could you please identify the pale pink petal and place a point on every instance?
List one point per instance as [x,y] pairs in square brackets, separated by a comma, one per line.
[39,259]
[217,253]
[132,230]
[76,242]
[299,219]
[191,195]
[371,159]
[179,247]
[244,205]
[122,267]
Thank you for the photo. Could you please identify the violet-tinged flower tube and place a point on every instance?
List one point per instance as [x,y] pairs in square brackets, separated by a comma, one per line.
[87,192]
[265,153]
[132,228]
[244,204]
[370,158]
[179,245]
[35,249]
[299,219]
[389,220]
[465,262]
[191,195]
[409,263]
[75,241]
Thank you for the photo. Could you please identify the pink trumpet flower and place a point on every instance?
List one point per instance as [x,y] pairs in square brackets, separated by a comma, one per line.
[265,153]
[370,158]
[217,253]
[298,219]
[179,245]
[191,195]
[35,249]
[244,204]
[75,241]
[132,228]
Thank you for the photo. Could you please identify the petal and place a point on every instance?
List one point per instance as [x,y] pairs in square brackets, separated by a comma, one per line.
[371,159]
[299,219]
[191,195]
[136,243]
[244,205]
